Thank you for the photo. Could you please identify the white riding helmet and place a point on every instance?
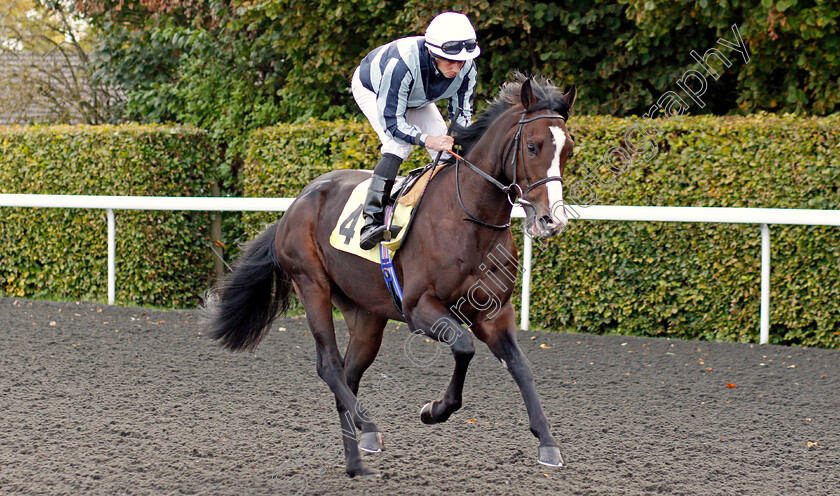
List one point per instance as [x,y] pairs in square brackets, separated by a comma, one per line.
[451,36]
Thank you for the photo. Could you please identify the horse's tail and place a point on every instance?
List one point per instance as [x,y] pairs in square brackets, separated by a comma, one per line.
[246,301]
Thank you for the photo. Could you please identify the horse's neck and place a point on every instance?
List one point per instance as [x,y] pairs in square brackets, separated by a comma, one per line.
[482,198]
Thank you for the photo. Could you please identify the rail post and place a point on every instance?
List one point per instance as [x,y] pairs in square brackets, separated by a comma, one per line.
[526,283]
[112,256]
[764,330]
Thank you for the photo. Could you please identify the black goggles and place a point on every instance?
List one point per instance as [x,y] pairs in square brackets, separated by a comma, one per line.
[455,47]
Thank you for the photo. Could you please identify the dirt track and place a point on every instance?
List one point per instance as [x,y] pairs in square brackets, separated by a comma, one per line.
[156,408]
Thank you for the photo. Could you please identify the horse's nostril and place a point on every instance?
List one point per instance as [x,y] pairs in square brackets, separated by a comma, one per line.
[546,221]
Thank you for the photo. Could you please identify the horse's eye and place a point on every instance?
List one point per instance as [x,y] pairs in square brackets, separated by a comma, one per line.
[532,148]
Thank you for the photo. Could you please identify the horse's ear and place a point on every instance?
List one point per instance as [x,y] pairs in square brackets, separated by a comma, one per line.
[527,95]
[569,95]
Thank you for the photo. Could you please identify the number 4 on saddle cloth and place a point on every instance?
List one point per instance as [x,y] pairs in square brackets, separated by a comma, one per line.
[347,231]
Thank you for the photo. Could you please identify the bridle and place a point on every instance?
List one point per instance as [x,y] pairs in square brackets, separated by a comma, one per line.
[513,191]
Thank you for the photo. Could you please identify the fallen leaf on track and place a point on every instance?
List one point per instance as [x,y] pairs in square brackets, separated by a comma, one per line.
[472,421]
[815,443]
[731,386]
[544,346]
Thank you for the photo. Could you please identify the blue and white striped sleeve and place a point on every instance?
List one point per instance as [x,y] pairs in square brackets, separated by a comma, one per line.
[462,102]
[392,100]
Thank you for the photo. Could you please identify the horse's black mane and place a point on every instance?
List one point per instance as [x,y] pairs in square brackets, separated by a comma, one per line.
[546,94]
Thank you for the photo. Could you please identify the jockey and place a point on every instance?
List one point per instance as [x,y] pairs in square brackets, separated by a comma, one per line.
[396,86]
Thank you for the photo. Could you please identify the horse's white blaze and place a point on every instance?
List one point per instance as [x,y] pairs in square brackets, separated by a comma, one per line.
[555,188]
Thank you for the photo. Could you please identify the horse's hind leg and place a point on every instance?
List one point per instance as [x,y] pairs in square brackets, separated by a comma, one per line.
[365,340]
[315,297]
[431,318]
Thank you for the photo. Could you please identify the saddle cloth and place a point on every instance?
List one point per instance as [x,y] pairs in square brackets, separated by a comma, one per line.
[347,231]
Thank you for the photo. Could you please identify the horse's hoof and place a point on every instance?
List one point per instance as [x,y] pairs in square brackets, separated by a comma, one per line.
[363,472]
[551,456]
[426,414]
[371,442]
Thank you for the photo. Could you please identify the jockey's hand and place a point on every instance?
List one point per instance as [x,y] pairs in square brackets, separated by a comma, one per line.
[442,143]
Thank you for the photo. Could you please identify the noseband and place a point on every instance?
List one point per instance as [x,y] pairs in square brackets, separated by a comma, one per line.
[513,191]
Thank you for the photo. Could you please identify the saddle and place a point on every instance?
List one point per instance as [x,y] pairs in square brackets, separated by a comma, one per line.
[407,192]
[408,189]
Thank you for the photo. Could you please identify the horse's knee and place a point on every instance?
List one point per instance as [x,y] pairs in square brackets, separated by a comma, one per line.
[328,369]
[463,354]
[463,347]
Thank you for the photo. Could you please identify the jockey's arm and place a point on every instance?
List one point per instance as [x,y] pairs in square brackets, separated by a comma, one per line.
[461,105]
[394,107]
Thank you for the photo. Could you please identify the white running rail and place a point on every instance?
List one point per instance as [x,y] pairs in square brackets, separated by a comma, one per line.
[761,216]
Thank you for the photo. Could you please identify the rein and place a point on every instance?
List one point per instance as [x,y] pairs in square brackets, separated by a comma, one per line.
[512,191]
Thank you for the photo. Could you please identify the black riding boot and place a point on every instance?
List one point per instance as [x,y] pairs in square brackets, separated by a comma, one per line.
[373,232]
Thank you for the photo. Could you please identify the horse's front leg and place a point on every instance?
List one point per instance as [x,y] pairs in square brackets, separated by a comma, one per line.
[500,334]
[429,317]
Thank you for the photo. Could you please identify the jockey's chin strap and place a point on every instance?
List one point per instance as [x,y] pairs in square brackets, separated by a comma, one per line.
[513,191]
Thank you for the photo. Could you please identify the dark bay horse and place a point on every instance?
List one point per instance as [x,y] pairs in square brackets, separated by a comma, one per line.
[517,149]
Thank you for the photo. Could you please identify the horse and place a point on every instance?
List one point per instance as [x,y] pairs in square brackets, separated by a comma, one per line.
[516,150]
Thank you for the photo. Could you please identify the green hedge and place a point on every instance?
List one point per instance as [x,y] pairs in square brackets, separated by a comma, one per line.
[697,281]
[162,257]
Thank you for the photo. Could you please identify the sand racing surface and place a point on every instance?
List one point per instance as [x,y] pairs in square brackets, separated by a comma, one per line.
[100,400]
